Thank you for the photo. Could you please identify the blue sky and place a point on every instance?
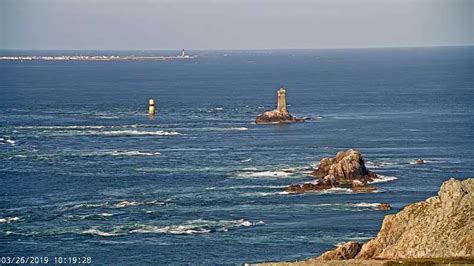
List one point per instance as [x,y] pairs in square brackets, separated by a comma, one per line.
[233,24]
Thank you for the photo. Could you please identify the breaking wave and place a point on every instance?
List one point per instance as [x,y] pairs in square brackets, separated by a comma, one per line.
[254,173]
[424,162]
[192,227]
[122,153]
[98,232]
[253,194]
[130,133]
[113,205]
[223,128]
[81,127]
[366,205]
[98,216]
[101,130]
[376,165]
[337,190]
[7,140]
[8,220]
[383,179]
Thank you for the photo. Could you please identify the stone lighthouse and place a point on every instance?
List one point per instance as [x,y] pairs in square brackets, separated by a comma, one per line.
[280,114]
[281,106]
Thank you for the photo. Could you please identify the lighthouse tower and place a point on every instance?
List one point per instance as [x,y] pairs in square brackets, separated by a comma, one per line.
[281,107]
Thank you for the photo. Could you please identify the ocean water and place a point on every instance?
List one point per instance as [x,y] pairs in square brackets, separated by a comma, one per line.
[85,172]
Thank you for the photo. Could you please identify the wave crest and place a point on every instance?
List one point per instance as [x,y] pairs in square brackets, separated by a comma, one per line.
[192,227]
[8,220]
[7,140]
[383,179]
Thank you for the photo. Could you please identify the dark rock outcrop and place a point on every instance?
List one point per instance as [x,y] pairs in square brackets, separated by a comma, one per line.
[277,117]
[383,207]
[344,252]
[347,169]
[440,227]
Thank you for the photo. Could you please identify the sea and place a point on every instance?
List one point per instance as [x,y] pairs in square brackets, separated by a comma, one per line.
[85,172]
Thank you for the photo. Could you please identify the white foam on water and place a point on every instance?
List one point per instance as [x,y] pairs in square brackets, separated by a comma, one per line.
[131,153]
[98,232]
[90,216]
[105,214]
[109,133]
[253,194]
[224,128]
[134,133]
[377,165]
[8,220]
[337,190]
[251,174]
[176,230]
[61,127]
[245,223]
[85,205]
[7,140]
[366,205]
[424,162]
[246,160]
[117,205]
[383,179]
[245,187]
[198,226]
[125,203]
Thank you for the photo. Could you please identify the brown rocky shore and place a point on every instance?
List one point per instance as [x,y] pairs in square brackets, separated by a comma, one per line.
[347,169]
[439,230]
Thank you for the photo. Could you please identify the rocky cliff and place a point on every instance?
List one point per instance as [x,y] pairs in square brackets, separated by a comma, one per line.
[440,227]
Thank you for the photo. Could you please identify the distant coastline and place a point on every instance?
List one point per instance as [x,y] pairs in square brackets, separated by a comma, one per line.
[180,56]
[93,58]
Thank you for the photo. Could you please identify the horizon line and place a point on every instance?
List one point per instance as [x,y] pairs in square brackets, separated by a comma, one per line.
[239,49]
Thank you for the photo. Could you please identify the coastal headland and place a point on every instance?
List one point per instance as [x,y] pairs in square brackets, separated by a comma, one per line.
[438,230]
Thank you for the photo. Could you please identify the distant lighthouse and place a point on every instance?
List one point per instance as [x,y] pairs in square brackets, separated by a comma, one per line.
[281,107]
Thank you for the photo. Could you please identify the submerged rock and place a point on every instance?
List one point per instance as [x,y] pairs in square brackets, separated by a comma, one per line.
[383,207]
[419,161]
[279,115]
[347,169]
[440,227]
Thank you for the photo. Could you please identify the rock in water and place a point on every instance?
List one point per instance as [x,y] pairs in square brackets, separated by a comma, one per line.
[276,117]
[279,115]
[383,207]
[419,161]
[347,169]
[440,227]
